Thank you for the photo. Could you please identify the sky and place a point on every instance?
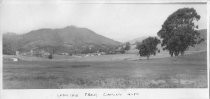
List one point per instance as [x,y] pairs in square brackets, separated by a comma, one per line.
[119,21]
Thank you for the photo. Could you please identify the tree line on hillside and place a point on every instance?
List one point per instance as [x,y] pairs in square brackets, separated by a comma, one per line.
[178,33]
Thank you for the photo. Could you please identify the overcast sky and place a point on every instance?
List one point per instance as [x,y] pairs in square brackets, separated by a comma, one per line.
[121,22]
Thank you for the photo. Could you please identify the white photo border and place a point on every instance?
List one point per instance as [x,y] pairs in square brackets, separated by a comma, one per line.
[143,93]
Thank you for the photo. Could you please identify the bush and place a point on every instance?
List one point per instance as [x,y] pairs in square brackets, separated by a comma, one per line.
[50,56]
[148,46]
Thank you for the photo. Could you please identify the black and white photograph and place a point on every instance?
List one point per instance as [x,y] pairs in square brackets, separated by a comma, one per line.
[104,45]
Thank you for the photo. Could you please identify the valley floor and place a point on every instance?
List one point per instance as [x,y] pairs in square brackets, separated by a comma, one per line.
[108,71]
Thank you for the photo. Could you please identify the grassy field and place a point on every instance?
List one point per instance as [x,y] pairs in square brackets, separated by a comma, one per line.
[108,71]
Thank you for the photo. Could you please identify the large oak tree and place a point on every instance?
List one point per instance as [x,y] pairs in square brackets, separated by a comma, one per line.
[179,31]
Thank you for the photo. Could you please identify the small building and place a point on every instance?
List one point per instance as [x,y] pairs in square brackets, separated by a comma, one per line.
[14,59]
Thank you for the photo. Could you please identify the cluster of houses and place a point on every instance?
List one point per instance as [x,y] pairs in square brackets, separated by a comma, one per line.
[34,52]
[95,54]
[43,53]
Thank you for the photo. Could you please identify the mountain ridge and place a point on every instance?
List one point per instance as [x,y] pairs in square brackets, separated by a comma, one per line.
[68,37]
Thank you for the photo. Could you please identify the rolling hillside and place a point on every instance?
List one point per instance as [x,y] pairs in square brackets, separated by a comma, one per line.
[68,37]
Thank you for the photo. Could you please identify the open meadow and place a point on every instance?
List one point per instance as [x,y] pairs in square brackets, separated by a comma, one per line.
[106,71]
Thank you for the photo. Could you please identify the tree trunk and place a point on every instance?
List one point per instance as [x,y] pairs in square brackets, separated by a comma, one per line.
[147,57]
[176,53]
[182,53]
[171,53]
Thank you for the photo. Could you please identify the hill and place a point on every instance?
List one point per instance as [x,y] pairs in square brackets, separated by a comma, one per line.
[139,39]
[70,37]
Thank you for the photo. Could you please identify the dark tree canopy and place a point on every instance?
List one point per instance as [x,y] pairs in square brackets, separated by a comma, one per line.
[8,49]
[148,46]
[127,46]
[179,32]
